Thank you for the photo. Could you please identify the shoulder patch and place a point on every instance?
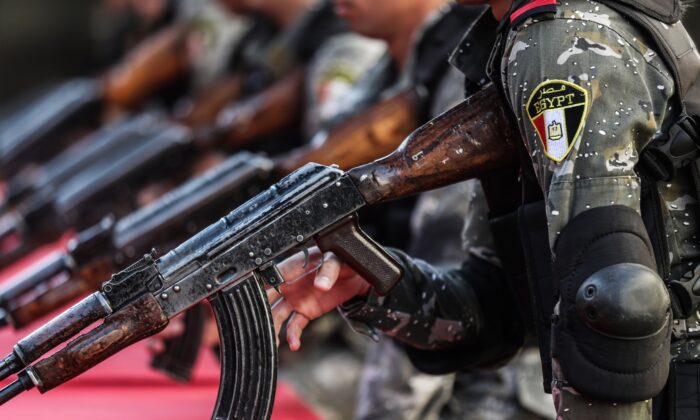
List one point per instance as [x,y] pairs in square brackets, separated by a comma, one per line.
[557,110]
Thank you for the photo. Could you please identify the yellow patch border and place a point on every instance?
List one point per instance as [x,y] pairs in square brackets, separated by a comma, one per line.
[581,126]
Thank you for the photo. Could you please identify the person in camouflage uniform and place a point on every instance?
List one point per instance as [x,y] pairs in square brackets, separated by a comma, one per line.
[590,93]
[390,387]
[334,64]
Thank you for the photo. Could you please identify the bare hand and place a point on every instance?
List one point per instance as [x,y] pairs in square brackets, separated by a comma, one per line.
[313,294]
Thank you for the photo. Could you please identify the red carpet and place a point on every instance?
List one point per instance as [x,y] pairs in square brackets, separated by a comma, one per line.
[123,387]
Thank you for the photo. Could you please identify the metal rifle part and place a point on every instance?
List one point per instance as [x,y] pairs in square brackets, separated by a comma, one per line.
[104,248]
[99,146]
[170,219]
[227,263]
[100,189]
[193,205]
[33,133]
[96,191]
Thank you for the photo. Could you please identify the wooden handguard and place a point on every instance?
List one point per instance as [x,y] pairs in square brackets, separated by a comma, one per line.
[154,63]
[266,113]
[360,252]
[62,328]
[470,139]
[364,137]
[133,323]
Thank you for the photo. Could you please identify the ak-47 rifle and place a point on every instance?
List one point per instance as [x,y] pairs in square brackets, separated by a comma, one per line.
[230,262]
[109,185]
[106,247]
[34,133]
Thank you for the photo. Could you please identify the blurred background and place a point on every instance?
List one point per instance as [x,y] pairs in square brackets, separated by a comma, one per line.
[43,40]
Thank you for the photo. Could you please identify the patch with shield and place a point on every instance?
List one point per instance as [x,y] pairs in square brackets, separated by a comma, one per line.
[557,109]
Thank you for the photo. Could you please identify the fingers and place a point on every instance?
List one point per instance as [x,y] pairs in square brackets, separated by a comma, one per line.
[328,272]
[272,295]
[296,266]
[281,310]
[156,345]
[295,326]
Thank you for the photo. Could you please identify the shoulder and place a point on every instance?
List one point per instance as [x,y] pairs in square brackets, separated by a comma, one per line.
[578,24]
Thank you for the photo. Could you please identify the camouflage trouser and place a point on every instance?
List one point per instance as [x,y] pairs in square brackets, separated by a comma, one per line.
[571,405]
[391,388]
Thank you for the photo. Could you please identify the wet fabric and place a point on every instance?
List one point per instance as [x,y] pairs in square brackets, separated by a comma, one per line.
[631,92]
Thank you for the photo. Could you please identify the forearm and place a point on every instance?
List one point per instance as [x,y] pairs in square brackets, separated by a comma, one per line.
[465,314]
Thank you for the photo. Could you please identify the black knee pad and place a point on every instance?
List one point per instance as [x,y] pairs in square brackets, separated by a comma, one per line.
[612,335]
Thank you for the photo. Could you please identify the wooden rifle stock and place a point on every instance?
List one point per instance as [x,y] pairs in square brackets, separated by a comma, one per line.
[267,113]
[155,62]
[470,139]
[207,105]
[362,138]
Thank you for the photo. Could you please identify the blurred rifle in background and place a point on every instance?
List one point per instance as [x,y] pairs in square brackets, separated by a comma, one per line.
[109,246]
[38,131]
[231,261]
[154,150]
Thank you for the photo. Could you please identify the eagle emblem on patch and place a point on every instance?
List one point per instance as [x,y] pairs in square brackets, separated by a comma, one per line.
[557,110]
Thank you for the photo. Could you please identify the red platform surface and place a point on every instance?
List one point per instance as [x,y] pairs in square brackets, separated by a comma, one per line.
[124,387]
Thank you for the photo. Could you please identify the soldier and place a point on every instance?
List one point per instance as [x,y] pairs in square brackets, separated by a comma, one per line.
[602,94]
[390,386]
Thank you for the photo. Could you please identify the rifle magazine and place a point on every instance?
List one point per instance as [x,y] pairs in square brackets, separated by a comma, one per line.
[248,352]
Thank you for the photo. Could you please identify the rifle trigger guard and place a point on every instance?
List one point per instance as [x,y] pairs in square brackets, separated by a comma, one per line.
[271,276]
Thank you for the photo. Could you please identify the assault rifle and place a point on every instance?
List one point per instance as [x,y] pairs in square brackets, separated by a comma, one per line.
[38,131]
[230,262]
[105,248]
[109,185]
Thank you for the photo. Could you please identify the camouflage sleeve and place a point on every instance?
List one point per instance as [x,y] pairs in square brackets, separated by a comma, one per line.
[464,313]
[333,71]
[588,98]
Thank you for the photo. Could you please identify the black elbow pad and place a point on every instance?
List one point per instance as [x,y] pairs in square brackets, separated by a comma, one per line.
[612,334]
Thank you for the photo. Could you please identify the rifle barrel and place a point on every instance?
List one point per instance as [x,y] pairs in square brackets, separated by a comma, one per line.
[23,383]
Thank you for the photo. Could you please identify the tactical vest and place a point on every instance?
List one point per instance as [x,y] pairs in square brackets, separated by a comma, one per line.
[661,158]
